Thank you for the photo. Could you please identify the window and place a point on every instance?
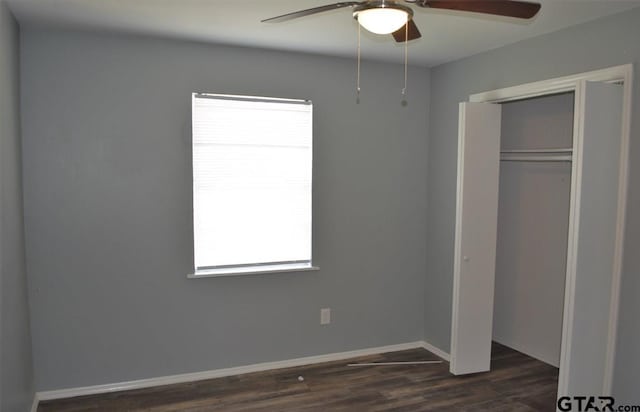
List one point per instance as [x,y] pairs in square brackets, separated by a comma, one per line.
[252,159]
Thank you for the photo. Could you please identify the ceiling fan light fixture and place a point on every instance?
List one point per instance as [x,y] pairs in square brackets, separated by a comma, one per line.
[383,19]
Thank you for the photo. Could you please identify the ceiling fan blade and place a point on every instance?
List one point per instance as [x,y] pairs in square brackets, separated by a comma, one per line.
[413,33]
[307,12]
[518,9]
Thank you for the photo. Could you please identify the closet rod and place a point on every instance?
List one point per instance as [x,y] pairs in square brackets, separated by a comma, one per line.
[511,158]
[536,151]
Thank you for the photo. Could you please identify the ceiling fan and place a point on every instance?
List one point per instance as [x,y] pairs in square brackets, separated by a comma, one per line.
[393,17]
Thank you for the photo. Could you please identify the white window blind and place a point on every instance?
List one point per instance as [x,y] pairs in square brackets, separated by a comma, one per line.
[252,160]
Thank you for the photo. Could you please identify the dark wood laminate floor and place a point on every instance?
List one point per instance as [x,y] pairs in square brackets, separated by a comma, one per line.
[516,383]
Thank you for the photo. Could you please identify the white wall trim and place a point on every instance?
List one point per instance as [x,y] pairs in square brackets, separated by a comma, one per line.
[436,351]
[219,373]
[524,348]
[553,86]
[575,83]
[34,404]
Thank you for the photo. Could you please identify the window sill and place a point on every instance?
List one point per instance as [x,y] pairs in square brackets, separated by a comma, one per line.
[253,270]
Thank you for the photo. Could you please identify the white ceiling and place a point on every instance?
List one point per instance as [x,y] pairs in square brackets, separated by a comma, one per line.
[446,36]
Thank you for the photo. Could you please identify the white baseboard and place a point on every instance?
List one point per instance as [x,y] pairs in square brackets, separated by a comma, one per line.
[34,404]
[436,351]
[528,350]
[219,373]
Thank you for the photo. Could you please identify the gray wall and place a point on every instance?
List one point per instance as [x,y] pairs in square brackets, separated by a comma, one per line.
[16,372]
[533,224]
[106,133]
[603,43]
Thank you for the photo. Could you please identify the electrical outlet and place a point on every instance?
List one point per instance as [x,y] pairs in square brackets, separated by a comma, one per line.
[325,316]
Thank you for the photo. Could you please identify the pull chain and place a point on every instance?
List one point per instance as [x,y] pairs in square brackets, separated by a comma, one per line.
[358,76]
[406,62]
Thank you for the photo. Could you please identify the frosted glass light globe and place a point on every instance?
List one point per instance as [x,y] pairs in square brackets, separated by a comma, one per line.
[382,20]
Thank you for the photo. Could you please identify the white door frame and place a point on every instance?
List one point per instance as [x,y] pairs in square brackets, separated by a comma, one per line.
[576,83]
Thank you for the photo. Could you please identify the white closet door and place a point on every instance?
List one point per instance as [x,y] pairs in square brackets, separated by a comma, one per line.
[475,238]
[598,173]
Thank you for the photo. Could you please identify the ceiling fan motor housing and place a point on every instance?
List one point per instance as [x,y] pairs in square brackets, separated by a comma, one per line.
[383,4]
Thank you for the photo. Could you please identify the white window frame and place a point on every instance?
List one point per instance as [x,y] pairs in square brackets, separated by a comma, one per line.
[255,268]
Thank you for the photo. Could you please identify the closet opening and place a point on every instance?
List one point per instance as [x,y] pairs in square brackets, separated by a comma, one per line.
[534,199]
[518,152]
